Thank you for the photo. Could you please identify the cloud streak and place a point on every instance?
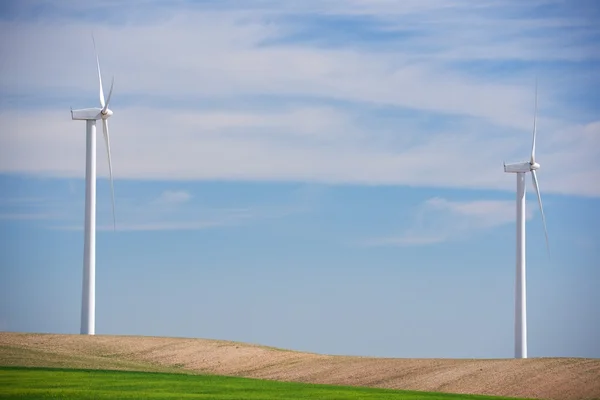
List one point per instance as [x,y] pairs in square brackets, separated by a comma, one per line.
[285,147]
[171,210]
[173,197]
[219,219]
[256,98]
[440,220]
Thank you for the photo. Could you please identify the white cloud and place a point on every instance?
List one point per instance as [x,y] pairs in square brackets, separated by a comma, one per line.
[440,220]
[405,240]
[172,210]
[282,146]
[482,213]
[172,197]
[171,60]
[231,60]
[184,221]
[29,208]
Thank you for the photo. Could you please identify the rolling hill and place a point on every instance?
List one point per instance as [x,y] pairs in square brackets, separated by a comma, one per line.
[543,378]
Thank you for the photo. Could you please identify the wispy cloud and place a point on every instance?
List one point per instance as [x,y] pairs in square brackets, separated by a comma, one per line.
[405,240]
[347,151]
[476,214]
[173,197]
[29,209]
[28,216]
[183,222]
[19,201]
[440,220]
[271,91]
[170,210]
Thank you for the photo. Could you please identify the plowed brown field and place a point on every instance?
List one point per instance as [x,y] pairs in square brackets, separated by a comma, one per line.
[544,378]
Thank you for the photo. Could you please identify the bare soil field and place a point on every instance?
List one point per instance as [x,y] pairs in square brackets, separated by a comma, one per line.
[542,378]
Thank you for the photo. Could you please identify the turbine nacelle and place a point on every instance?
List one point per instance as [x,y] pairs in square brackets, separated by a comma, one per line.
[521,167]
[95,113]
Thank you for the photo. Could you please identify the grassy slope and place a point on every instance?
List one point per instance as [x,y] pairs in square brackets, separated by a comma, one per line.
[23,357]
[564,379]
[24,383]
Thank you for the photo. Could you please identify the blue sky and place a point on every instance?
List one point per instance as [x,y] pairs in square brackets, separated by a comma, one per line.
[319,175]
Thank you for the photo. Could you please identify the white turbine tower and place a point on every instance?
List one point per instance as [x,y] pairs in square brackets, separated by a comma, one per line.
[520,285]
[90,116]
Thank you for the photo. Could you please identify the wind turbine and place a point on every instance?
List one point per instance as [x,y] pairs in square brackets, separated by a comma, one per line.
[520,284]
[90,116]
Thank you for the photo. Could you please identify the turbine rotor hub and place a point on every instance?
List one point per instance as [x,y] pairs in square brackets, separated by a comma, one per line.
[107,113]
[535,166]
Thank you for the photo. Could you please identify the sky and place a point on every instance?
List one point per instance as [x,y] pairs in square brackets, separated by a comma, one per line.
[324,175]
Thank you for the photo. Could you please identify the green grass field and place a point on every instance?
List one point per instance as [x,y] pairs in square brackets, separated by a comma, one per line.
[49,383]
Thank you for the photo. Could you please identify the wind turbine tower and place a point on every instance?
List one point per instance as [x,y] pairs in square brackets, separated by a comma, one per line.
[520,283]
[90,116]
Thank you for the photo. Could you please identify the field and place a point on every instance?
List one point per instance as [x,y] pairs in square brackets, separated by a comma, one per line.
[26,383]
[193,359]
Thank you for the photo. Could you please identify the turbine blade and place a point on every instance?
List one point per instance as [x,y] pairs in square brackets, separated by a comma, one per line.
[109,95]
[112,189]
[99,75]
[537,191]
[534,126]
